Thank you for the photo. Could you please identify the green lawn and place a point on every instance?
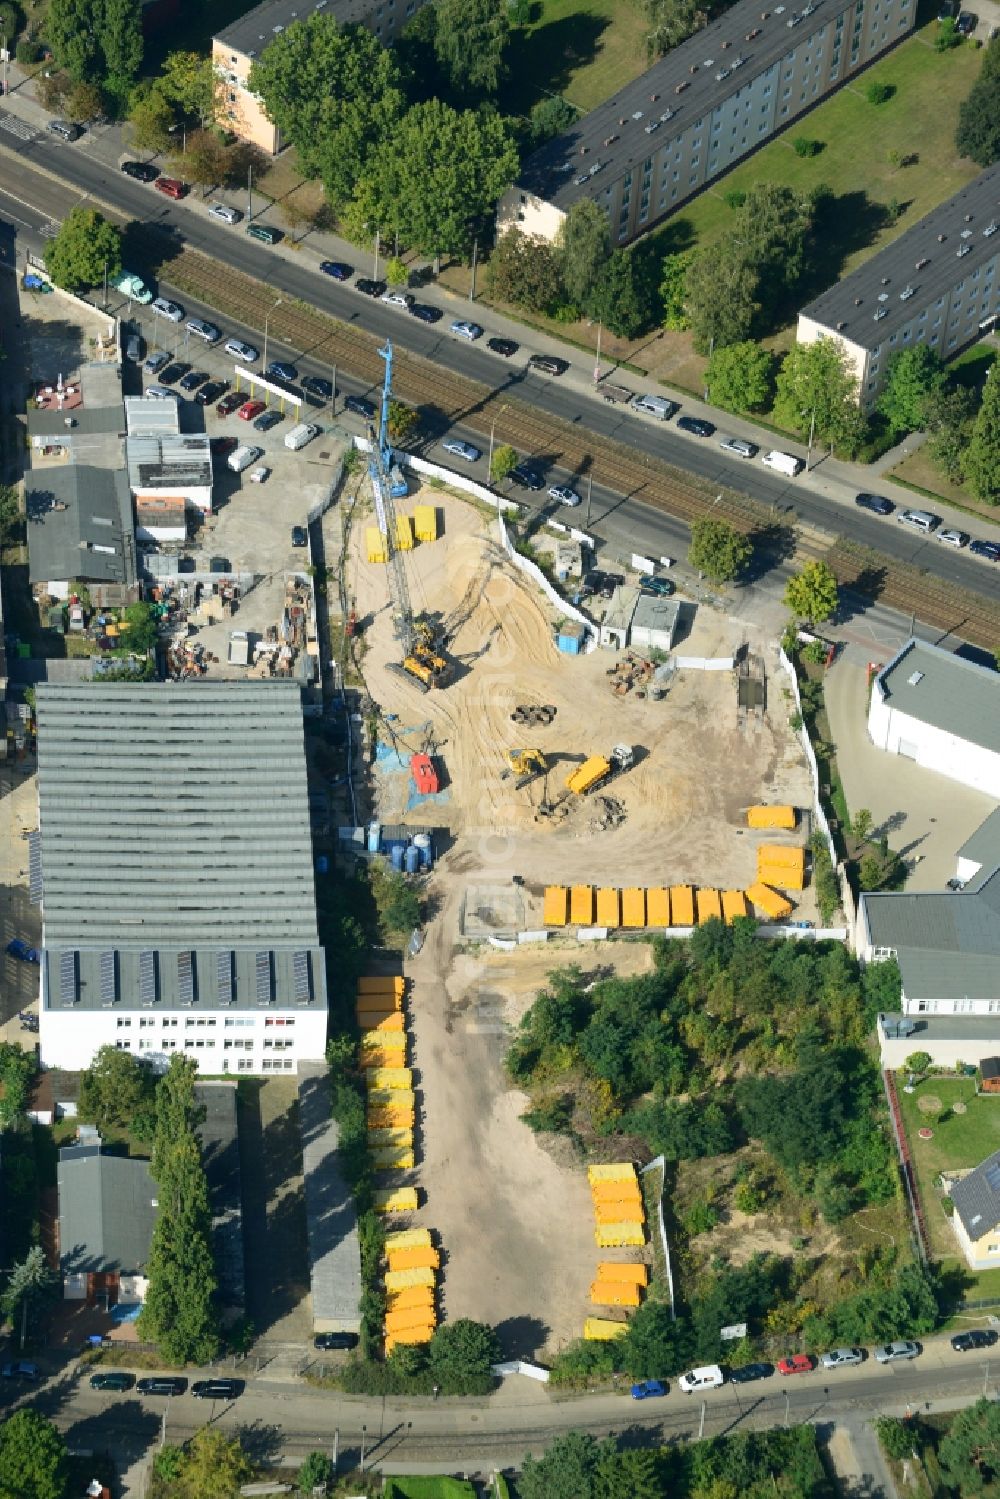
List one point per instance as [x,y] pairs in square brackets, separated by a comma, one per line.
[582,49]
[429,1488]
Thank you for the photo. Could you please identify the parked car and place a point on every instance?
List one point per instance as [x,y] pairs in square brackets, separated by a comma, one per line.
[695,426]
[360,407]
[976,1337]
[260,474]
[369,288]
[280,369]
[229,403]
[132,286]
[161,393]
[460,449]
[21,1368]
[740,447]
[708,1377]
[463,329]
[171,187]
[394,298]
[315,385]
[890,1353]
[211,392]
[795,1363]
[224,213]
[141,171]
[67,130]
[648,1389]
[337,269]
[300,536]
[222,446]
[173,372]
[18,948]
[155,363]
[267,420]
[988,549]
[244,352]
[330,1340]
[193,379]
[162,1384]
[424,313]
[750,1372]
[839,1358]
[966,23]
[172,311]
[919,520]
[505,347]
[250,409]
[527,477]
[217,1389]
[112,1379]
[266,233]
[563,494]
[657,588]
[548,364]
[953,538]
[874,502]
[134,347]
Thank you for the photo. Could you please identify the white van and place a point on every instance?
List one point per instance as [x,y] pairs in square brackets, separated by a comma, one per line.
[243,457]
[300,435]
[784,463]
[708,1377]
[657,406]
[919,520]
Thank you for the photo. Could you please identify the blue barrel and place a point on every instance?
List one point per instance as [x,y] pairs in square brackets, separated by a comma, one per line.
[411,860]
[396,852]
[374,837]
[422,842]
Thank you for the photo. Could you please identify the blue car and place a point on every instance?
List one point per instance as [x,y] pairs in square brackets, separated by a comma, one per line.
[18,948]
[278,370]
[646,1389]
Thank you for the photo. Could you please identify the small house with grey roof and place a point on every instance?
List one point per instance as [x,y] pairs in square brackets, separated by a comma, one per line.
[107,1211]
[976,1219]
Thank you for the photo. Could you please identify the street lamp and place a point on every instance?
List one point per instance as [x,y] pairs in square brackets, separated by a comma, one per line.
[364,1433]
[812,434]
[267,319]
[597,362]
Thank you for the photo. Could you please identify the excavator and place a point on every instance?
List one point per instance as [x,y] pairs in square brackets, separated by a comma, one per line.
[526,764]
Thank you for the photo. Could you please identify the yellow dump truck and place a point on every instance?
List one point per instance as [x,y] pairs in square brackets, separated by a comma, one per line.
[598,769]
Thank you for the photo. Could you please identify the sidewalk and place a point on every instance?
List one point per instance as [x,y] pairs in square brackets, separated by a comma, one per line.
[828,477]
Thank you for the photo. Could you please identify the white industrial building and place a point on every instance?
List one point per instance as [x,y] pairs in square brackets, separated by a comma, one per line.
[942,711]
[177,887]
[163,461]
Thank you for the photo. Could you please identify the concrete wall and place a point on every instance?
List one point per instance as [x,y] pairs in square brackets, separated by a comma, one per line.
[930,747]
[532,215]
[943,1052]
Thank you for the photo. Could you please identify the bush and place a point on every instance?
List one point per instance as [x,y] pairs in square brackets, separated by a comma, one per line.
[803,146]
[734,198]
[918,1061]
[879,93]
[28,52]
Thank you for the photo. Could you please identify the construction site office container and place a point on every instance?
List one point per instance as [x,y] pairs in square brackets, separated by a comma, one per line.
[632,1274]
[410,1297]
[399,1280]
[607,906]
[409,1335]
[681,905]
[619,1235]
[612,1171]
[408,1238]
[413,1258]
[614,1191]
[769,902]
[399,1079]
[390,1022]
[627,1210]
[379,1004]
[709,905]
[783,875]
[392,1158]
[657,906]
[614,1293]
[581,905]
[425,522]
[404,533]
[603,1330]
[390,1134]
[375,545]
[394,1199]
[633,907]
[386,1117]
[734,903]
[382,984]
[397,1321]
[781,855]
[555,910]
[771,817]
[390,1098]
[393,1039]
[370,1059]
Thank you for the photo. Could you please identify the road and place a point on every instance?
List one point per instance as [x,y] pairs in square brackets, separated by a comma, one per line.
[43,179]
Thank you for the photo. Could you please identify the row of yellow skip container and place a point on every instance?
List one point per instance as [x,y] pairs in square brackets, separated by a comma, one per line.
[410,1287]
[620,1220]
[421,526]
[391,1111]
[659,906]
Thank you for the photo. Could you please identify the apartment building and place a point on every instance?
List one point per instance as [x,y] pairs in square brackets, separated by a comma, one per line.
[177,889]
[699,110]
[238,46]
[938,283]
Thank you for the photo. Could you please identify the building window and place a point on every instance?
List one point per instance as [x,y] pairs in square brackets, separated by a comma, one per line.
[123,1046]
[244,1065]
[123,1020]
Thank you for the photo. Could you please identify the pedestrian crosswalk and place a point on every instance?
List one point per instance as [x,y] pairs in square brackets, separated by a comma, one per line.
[15,126]
[49,230]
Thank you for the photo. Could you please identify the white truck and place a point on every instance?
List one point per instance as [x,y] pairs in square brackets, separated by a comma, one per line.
[783,463]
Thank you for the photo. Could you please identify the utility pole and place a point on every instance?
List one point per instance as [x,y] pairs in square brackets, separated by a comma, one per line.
[249,193]
[701,1423]
[711,349]
[475,252]
[5,59]
[378,244]
[335,1454]
[812,434]
[333,393]
[597,363]
[590,495]
[364,1433]
[105,286]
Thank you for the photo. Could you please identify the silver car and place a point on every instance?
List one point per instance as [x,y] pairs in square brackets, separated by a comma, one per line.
[471,331]
[954,538]
[172,311]
[889,1353]
[460,449]
[564,495]
[224,213]
[239,350]
[838,1358]
[739,446]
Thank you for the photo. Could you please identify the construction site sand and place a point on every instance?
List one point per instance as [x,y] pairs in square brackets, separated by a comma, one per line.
[515,1217]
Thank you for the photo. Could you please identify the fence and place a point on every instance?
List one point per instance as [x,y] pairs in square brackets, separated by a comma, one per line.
[906,1166]
[705,663]
[810,755]
[661,1164]
[37,268]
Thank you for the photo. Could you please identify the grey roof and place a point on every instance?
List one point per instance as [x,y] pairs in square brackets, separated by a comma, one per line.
[251,33]
[178,460]
[990,1067]
[616,134]
[938,688]
[175,815]
[220,1156]
[926,257]
[947,945]
[653,613]
[139,976]
[87,420]
[79,525]
[983,848]
[331,1221]
[145,415]
[106,1211]
[977,1198]
[621,607]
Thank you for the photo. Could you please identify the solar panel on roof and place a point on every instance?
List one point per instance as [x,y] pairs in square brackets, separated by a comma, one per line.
[224,976]
[185,977]
[109,977]
[67,977]
[301,976]
[147,976]
[35,867]
[263,974]
[992,1174]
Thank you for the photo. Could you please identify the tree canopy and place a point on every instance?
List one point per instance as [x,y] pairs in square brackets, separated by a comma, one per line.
[525,270]
[469,41]
[981,463]
[460,1355]
[584,245]
[117,1090]
[970,1453]
[97,41]
[85,245]
[740,376]
[978,133]
[812,594]
[815,384]
[34,1462]
[718,550]
[914,375]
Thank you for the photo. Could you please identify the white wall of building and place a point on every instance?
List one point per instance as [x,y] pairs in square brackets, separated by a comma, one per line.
[239,1042]
[160,532]
[533,216]
[809,331]
[197,496]
[930,747]
[944,1052]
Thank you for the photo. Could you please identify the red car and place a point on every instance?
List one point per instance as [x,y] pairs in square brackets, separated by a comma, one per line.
[250,409]
[229,403]
[223,446]
[796,1363]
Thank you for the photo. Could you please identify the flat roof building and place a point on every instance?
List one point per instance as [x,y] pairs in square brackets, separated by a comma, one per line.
[711,101]
[938,283]
[80,528]
[177,889]
[163,460]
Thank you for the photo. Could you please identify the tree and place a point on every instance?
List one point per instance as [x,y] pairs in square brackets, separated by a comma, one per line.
[948,421]
[621,297]
[203,161]
[812,593]
[16,1070]
[440,169]
[396,273]
[656,1344]
[525,270]
[861,824]
[550,117]
[84,102]
[816,386]
[948,35]
[978,133]
[317,1470]
[71,31]
[981,464]
[897,1437]
[120,34]
[584,245]
[214,1466]
[403,421]
[878,92]
[140,634]
[85,245]
[189,81]
[670,23]
[503,460]
[150,117]
[803,145]
[29,1280]
[914,375]
[34,1463]
[566,1471]
[115,1088]
[673,289]
[469,41]
[721,297]
[10,510]
[718,551]
[461,1354]
[335,93]
[970,1452]
[740,376]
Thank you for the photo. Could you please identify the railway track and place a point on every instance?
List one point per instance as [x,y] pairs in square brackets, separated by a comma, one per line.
[445,398]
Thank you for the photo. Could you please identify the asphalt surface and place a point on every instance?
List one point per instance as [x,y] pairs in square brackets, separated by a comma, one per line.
[35,204]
